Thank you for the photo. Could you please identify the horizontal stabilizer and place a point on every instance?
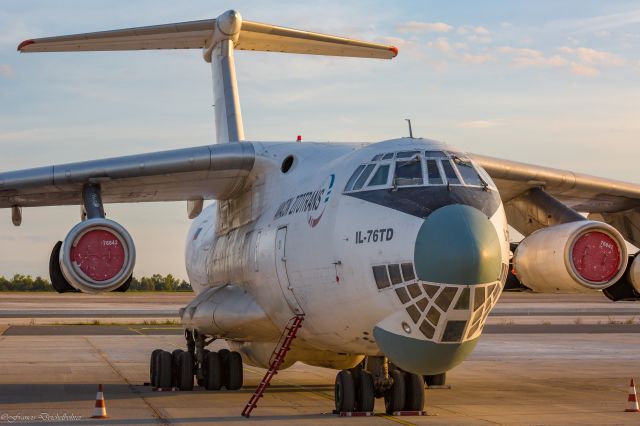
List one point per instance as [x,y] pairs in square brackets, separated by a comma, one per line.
[197,34]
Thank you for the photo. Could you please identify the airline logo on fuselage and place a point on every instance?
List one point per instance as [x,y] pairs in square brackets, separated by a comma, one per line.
[313,202]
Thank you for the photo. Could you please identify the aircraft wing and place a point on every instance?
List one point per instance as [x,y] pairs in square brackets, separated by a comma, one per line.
[207,172]
[614,202]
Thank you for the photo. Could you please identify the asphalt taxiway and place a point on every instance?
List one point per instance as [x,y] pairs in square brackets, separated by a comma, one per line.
[550,372]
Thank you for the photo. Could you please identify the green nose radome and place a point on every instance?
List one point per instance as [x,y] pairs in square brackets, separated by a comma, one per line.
[457,244]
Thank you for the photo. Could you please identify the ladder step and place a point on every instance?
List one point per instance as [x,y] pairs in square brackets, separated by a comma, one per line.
[282,347]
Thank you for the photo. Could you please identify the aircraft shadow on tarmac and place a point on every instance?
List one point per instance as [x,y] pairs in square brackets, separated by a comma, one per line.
[49,393]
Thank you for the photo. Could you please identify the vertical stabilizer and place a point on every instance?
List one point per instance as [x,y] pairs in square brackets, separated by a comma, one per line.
[218,38]
[219,52]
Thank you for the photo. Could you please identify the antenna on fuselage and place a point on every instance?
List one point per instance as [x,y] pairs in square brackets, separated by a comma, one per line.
[410,131]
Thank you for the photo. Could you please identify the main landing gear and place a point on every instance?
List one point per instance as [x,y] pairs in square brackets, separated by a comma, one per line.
[212,370]
[357,389]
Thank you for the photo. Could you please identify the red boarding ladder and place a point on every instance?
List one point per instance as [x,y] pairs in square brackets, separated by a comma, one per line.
[277,358]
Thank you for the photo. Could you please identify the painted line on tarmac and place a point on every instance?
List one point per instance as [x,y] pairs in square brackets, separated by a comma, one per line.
[395,419]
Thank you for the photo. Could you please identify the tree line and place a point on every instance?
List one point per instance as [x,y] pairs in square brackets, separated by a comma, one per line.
[155,282]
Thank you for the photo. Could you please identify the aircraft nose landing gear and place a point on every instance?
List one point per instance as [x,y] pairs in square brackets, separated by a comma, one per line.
[357,389]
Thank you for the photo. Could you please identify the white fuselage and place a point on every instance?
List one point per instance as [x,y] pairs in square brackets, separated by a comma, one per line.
[298,243]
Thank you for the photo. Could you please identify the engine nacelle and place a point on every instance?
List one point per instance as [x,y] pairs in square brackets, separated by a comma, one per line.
[573,257]
[627,287]
[98,255]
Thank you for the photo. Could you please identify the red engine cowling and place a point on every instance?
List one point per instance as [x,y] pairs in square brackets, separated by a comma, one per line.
[571,258]
[98,255]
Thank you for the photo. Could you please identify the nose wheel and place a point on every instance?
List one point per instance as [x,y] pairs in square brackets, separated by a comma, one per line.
[357,389]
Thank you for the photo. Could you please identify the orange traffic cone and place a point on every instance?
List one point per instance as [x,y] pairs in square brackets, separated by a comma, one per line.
[100,411]
[632,401]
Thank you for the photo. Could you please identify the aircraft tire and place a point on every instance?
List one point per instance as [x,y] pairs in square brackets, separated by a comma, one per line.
[234,371]
[164,369]
[224,356]
[414,392]
[199,380]
[436,379]
[185,371]
[153,367]
[212,371]
[344,392]
[175,369]
[365,396]
[394,399]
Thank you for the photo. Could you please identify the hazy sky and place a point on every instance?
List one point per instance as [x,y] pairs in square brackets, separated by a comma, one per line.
[551,83]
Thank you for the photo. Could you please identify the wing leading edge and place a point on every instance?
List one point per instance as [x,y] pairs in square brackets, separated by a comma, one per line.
[614,202]
[197,35]
[207,172]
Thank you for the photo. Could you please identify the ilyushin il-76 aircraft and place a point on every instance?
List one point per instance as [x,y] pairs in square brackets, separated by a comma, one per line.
[387,256]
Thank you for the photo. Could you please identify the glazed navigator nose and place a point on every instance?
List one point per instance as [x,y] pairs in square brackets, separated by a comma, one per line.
[459,271]
[457,244]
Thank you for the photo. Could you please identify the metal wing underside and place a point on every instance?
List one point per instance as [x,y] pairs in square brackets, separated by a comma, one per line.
[614,202]
[207,172]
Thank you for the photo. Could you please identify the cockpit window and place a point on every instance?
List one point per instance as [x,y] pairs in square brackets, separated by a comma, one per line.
[416,168]
[468,173]
[363,176]
[433,173]
[353,178]
[407,154]
[452,177]
[380,176]
[408,172]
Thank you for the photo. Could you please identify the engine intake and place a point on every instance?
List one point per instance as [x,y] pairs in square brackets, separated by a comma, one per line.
[98,255]
[572,257]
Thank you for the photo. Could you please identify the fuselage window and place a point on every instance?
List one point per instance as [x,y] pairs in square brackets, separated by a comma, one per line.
[353,178]
[468,173]
[377,157]
[408,172]
[451,175]
[388,156]
[435,154]
[433,172]
[380,176]
[363,176]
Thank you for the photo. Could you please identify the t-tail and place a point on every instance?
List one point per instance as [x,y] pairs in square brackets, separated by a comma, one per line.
[218,38]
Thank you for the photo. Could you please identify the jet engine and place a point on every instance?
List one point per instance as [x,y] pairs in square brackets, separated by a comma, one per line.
[98,255]
[628,287]
[573,257]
